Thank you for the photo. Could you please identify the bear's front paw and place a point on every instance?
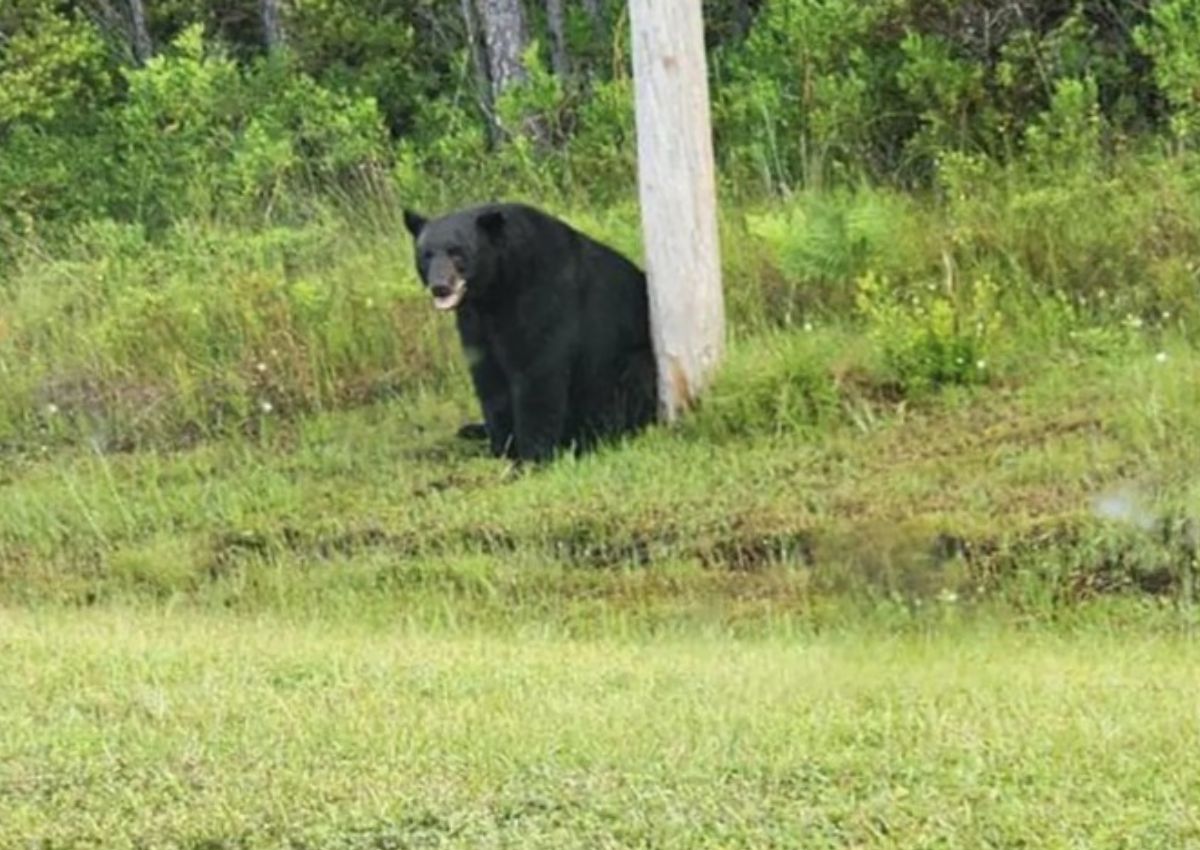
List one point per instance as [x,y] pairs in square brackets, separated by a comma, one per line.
[473,431]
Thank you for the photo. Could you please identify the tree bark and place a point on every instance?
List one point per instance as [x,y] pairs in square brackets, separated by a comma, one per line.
[143,49]
[506,37]
[556,19]
[272,23]
[677,189]
[480,61]
[743,17]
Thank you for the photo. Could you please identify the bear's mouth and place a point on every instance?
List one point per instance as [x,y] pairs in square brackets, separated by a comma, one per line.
[448,296]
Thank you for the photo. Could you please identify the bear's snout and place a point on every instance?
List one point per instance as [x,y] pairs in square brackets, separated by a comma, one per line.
[448,294]
[446,281]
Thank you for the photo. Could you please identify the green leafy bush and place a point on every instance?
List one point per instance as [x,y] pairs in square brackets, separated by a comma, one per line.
[783,383]
[1172,40]
[202,136]
[804,98]
[931,336]
[195,134]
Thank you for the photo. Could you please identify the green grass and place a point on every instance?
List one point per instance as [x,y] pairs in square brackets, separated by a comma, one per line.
[920,571]
[125,729]
[131,340]
[975,492]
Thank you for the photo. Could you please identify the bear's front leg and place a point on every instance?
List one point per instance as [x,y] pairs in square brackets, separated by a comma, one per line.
[540,412]
[491,384]
[495,400]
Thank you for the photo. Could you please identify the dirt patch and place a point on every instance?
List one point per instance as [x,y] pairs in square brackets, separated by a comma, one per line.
[749,552]
[1072,560]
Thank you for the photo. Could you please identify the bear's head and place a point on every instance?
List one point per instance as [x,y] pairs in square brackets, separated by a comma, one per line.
[457,254]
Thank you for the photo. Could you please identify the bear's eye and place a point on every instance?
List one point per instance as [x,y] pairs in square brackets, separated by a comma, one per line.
[455,252]
[426,256]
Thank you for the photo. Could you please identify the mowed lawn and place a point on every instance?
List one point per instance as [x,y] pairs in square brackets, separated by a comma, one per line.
[141,728]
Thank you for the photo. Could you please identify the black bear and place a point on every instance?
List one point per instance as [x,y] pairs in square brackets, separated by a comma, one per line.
[554,325]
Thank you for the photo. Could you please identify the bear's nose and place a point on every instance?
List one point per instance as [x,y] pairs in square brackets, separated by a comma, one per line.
[441,290]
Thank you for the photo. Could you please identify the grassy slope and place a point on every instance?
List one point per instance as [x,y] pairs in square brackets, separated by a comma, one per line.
[123,729]
[351,630]
[953,495]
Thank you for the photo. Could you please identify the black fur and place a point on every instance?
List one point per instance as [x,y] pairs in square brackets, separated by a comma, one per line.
[555,326]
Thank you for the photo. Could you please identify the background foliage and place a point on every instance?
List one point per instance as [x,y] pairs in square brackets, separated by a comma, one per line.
[807,94]
[189,240]
[920,571]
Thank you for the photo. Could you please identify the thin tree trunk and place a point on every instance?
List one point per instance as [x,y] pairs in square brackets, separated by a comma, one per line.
[272,22]
[560,58]
[480,60]
[600,35]
[677,189]
[743,17]
[142,47]
[506,37]
[592,7]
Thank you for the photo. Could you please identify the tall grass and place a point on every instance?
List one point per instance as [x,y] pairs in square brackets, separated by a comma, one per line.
[124,340]
[924,390]
[796,484]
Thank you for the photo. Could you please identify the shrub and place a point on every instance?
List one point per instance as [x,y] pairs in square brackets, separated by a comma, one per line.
[931,336]
[1172,40]
[782,383]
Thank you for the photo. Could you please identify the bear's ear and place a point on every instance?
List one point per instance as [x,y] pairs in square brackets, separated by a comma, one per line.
[491,223]
[414,222]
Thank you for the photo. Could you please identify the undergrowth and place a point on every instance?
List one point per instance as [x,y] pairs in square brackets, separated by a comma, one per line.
[795,484]
[130,340]
[926,393]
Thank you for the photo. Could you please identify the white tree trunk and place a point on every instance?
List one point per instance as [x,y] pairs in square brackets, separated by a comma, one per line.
[556,20]
[142,48]
[272,21]
[743,17]
[677,188]
[506,37]
[480,61]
